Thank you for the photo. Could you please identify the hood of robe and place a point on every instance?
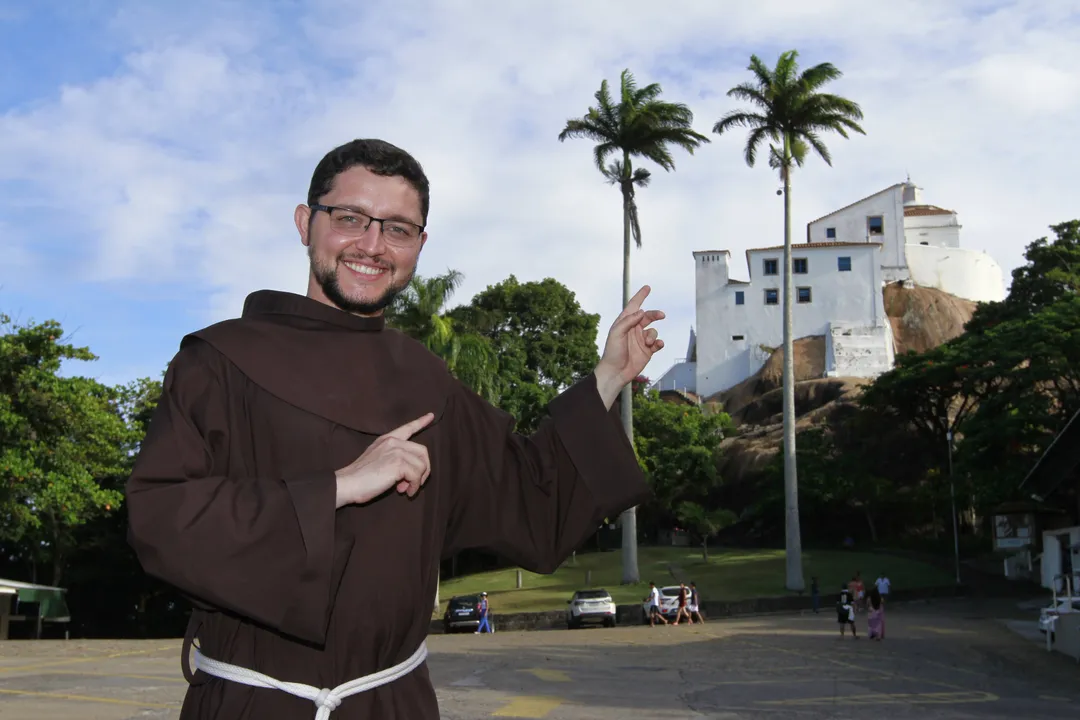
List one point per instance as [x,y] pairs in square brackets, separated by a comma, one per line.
[353,371]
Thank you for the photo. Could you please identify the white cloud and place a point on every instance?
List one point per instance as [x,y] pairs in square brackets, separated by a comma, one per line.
[188,161]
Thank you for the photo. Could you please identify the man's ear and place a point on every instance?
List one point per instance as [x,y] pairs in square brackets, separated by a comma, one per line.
[302,218]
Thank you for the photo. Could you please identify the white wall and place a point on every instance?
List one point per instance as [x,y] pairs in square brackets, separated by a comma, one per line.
[1051,557]
[967,274]
[938,230]
[859,351]
[851,226]
[852,297]
[680,376]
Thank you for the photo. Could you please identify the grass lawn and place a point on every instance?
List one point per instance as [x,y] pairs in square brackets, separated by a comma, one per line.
[728,575]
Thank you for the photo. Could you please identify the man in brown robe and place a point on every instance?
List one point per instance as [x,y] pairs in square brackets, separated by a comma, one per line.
[307,468]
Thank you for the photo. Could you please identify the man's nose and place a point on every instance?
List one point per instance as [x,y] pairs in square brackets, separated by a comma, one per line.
[371,241]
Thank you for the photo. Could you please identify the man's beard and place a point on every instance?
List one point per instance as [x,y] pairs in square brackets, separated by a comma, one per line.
[326,275]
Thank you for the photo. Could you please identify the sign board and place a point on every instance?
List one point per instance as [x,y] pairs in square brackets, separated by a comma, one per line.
[1013,532]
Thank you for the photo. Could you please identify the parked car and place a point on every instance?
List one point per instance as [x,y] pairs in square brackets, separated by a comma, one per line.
[1048,614]
[590,606]
[462,613]
[669,603]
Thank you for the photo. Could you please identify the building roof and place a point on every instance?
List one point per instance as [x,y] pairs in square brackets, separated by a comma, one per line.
[803,246]
[920,210]
[52,605]
[707,252]
[879,192]
[18,585]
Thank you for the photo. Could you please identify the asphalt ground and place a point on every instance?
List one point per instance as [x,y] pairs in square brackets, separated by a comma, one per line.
[943,660]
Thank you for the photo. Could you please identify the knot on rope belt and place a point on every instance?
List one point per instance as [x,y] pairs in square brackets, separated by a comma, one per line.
[326,700]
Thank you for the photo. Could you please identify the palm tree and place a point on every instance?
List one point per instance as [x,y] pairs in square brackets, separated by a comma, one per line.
[792,113]
[420,312]
[639,125]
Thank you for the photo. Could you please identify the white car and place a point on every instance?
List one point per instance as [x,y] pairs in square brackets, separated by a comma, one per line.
[669,603]
[590,606]
[1048,614]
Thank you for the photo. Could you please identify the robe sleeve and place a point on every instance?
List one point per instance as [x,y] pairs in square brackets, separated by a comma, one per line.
[260,547]
[535,499]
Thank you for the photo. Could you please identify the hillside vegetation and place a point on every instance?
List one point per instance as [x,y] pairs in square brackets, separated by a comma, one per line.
[921,318]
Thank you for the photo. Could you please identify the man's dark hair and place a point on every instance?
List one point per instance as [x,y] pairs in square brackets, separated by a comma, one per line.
[379,157]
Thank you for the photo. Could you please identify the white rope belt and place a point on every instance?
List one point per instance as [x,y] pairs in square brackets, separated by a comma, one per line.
[325,700]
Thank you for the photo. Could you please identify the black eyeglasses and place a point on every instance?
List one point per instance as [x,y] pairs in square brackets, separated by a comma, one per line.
[351,222]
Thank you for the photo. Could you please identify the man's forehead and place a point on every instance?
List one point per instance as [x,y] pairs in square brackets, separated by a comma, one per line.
[384,196]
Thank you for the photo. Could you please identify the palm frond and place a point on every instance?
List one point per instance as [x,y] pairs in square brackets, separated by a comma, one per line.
[601,153]
[789,105]
[738,118]
[787,69]
[819,75]
[818,145]
[756,137]
[641,177]
[751,93]
[761,71]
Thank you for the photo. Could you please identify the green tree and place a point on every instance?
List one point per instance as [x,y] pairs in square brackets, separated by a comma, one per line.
[639,125]
[703,522]
[61,438]
[421,312]
[792,112]
[1037,362]
[1051,272]
[542,337]
[678,447]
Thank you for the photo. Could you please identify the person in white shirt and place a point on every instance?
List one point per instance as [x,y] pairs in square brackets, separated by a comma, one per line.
[654,606]
[882,584]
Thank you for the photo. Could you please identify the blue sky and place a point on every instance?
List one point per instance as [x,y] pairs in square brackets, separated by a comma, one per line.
[151,154]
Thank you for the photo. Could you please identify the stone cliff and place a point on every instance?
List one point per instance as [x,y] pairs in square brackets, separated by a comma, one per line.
[921,319]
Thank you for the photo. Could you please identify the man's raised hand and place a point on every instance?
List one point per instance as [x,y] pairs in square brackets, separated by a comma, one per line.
[631,343]
[393,460]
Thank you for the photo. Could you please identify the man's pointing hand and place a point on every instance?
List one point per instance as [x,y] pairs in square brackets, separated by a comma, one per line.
[393,460]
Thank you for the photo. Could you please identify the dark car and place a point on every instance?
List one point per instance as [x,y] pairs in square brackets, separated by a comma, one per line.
[462,613]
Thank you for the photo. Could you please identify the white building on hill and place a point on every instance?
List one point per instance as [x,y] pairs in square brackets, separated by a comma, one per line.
[839,272]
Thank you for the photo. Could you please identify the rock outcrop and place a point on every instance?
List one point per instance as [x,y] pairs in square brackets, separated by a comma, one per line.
[921,319]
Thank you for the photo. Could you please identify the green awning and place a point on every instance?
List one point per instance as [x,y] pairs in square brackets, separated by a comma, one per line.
[52,603]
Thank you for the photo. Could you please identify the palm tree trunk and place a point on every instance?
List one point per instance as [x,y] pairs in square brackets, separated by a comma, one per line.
[791,485]
[630,573]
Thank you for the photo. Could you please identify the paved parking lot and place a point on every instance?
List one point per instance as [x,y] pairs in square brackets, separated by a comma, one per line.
[939,661]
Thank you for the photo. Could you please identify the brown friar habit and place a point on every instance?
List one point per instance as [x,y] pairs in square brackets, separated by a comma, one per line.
[232,501]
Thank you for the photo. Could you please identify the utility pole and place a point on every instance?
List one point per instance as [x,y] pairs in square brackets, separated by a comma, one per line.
[952,493]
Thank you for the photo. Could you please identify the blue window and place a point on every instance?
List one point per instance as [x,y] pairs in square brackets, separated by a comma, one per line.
[772,296]
[843,264]
[799,266]
[803,294]
[771,267]
[740,297]
[875,225]
[830,233]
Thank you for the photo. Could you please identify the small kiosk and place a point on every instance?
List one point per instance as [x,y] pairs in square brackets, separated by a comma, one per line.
[50,601]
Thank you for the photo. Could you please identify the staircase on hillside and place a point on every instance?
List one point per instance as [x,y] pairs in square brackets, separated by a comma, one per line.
[858,350]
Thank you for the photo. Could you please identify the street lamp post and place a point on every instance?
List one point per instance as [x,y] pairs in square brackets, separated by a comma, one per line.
[952,494]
